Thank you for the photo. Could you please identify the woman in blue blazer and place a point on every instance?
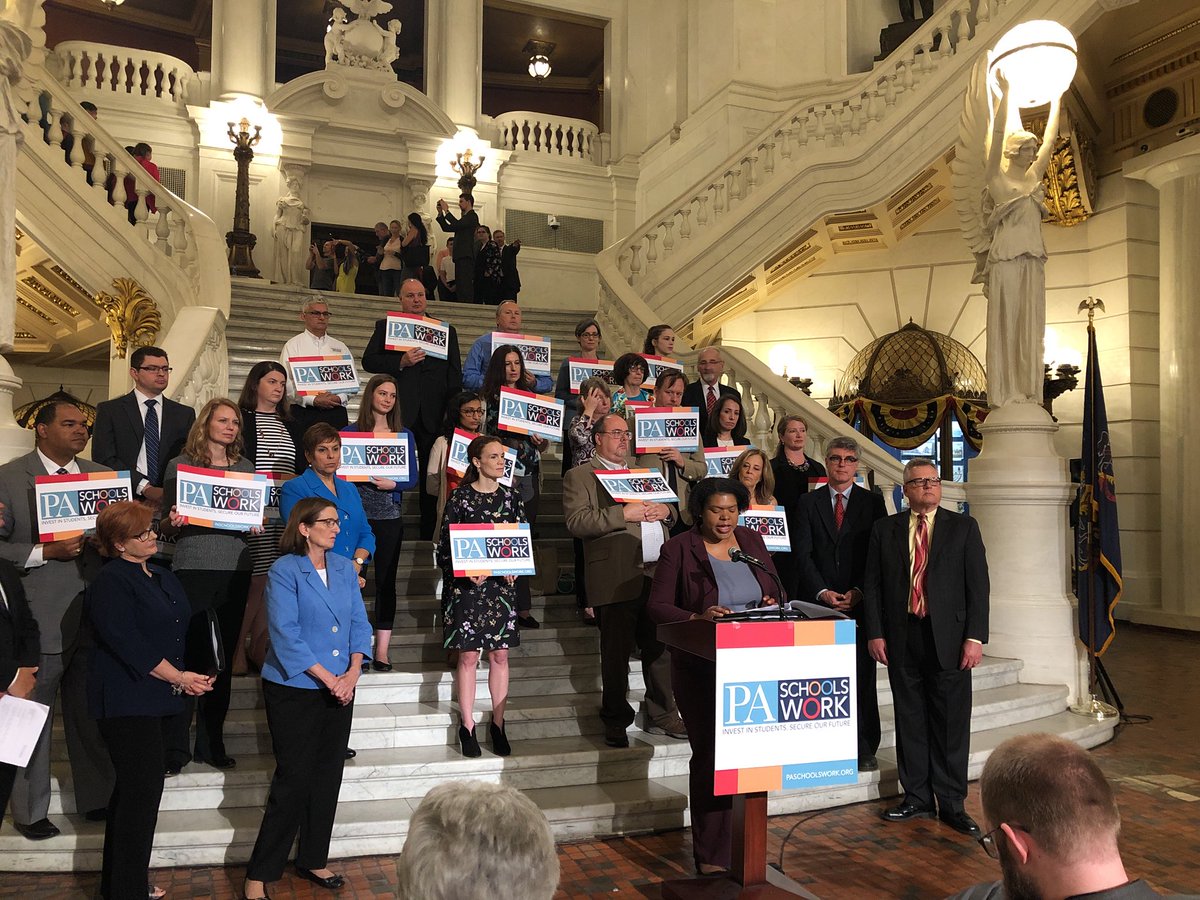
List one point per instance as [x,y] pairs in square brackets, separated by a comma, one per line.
[319,639]
[323,450]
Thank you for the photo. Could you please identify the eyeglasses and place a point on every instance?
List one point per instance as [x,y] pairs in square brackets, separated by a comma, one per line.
[328,522]
[157,370]
[637,367]
[619,435]
[320,315]
[924,482]
[988,841]
[470,411]
[841,459]
[149,534]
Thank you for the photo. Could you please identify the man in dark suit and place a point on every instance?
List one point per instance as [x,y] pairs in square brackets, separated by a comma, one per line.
[618,585]
[120,438]
[56,573]
[424,384]
[926,618]
[830,536]
[510,281]
[705,392]
[463,229]
[20,651]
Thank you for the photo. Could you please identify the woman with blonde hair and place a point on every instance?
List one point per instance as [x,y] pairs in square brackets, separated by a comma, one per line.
[753,469]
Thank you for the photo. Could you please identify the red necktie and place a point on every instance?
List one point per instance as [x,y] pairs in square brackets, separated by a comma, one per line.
[916,604]
[712,399]
[839,511]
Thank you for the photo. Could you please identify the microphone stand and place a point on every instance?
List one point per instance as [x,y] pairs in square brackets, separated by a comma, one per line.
[740,556]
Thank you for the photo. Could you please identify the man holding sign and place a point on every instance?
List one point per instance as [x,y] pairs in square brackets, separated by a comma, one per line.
[508,321]
[56,573]
[314,340]
[620,545]
[424,384]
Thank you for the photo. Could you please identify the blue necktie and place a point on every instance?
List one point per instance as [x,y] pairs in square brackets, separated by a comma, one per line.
[151,441]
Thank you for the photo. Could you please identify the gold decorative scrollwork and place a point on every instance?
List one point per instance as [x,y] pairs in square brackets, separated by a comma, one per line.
[1070,178]
[131,314]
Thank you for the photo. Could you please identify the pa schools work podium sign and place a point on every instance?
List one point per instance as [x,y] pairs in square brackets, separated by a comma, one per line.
[786,706]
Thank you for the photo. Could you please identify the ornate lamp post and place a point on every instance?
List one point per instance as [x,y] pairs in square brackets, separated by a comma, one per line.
[466,170]
[241,241]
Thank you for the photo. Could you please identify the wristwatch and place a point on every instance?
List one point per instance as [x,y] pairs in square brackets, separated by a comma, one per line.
[362,561]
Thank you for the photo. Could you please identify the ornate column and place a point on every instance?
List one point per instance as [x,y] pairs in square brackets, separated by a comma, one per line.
[15,47]
[243,49]
[459,45]
[1175,172]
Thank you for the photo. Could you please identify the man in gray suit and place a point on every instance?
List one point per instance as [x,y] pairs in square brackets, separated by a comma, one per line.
[618,584]
[56,573]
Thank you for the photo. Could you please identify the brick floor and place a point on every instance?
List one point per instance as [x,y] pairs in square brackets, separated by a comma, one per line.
[847,853]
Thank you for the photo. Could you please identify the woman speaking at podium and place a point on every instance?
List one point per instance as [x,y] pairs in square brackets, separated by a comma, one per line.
[696,579]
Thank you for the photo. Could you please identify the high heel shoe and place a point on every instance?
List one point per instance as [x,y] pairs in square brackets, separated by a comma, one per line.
[470,746]
[500,745]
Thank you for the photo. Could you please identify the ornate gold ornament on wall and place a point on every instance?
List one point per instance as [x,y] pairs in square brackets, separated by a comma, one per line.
[1070,177]
[131,314]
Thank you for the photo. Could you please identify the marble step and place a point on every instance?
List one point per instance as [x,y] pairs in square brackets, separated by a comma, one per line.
[225,835]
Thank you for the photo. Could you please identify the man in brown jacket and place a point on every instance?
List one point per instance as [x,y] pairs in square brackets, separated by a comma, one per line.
[618,583]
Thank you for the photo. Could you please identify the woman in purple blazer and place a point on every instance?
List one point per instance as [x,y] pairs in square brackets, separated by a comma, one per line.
[696,579]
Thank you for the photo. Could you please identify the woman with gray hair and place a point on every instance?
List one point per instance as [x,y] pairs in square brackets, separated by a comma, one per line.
[470,840]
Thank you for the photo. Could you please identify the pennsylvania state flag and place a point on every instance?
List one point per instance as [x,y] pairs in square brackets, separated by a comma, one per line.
[1097,539]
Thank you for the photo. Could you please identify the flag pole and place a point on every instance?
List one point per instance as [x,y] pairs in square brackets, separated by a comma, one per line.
[1092,707]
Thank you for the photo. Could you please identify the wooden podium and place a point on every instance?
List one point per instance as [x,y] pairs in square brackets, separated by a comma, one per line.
[749,878]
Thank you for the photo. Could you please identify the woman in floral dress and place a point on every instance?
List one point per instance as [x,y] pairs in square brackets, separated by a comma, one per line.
[480,612]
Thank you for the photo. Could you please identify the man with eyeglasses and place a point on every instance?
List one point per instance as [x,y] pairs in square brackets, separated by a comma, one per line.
[1054,825]
[56,573]
[618,585]
[925,615]
[315,340]
[831,531]
[143,430]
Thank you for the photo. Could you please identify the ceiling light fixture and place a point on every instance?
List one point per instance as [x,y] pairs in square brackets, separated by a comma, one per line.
[539,58]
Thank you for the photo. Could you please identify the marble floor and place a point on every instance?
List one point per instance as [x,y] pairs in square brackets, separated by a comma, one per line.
[847,852]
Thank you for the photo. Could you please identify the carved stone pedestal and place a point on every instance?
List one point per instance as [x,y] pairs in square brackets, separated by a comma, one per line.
[1019,492]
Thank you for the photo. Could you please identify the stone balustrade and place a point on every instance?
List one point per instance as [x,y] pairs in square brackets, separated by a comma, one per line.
[107,69]
[551,135]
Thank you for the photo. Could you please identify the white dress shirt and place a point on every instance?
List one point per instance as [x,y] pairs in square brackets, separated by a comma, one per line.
[35,555]
[308,344]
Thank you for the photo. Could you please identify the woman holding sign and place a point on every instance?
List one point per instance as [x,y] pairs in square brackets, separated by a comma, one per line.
[379,413]
[272,440]
[214,566]
[726,427]
[696,579]
[479,612]
[319,639]
[754,471]
[507,369]
[464,413]
[629,371]
[587,333]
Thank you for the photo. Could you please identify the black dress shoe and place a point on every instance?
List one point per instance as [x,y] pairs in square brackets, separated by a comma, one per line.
[469,743]
[332,883]
[868,763]
[906,811]
[500,745]
[351,753]
[961,822]
[37,831]
[218,761]
[96,815]
[379,666]
[172,771]
[528,622]
[616,737]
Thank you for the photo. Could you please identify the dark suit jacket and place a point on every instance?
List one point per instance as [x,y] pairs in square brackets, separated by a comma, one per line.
[612,547]
[684,581]
[463,230]
[956,583]
[20,647]
[694,393]
[55,589]
[118,433]
[827,558]
[510,281]
[423,390]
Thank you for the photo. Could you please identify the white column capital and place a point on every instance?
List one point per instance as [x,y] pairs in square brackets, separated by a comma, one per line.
[1166,164]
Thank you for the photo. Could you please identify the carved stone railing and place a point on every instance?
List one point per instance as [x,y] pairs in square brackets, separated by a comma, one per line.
[766,397]
[551,136]
[107,69]
[199,355]
[176,252]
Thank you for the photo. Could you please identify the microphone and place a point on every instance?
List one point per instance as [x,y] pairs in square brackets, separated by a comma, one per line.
[738,555]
